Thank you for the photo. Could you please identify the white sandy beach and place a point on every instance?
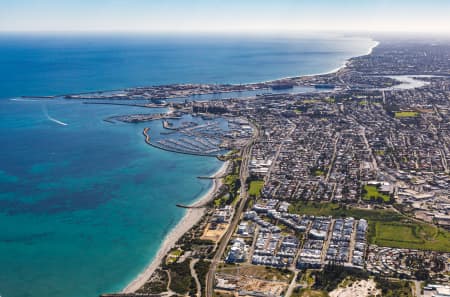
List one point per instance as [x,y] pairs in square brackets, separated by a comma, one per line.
[191,217]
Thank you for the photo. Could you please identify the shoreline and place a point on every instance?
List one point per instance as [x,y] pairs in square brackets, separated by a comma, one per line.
[193,215]
[334,70]
[190,218]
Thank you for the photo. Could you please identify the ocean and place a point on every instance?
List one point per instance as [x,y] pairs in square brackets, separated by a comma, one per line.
[85,204]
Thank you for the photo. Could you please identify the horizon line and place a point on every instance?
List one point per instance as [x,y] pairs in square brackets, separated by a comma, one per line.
[233,32]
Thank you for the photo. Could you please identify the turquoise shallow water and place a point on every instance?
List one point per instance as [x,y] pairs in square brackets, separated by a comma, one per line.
[84,207]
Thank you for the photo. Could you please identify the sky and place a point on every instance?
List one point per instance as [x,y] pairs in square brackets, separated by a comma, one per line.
[225,15]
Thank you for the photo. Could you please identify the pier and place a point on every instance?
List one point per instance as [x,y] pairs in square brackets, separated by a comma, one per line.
[111,103]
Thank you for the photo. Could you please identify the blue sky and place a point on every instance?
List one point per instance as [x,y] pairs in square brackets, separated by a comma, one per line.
[224,15]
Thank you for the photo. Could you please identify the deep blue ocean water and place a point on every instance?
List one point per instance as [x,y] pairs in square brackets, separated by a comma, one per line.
[84,207]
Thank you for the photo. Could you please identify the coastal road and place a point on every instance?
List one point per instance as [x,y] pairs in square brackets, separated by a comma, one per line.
[243,174]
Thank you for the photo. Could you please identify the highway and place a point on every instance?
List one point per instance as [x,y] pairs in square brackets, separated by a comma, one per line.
[243,175]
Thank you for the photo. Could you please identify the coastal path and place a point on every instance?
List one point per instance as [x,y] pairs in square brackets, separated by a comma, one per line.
[195,276]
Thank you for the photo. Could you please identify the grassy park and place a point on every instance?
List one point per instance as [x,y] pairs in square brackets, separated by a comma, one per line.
[406,114]
[371,193]
[255,188]
[411,235]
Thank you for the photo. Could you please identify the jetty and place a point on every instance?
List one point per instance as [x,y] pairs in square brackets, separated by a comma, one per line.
[189,206]
[114,103]
[206,177]
[38,97]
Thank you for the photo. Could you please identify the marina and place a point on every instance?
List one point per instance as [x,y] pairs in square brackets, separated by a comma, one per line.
[197,136]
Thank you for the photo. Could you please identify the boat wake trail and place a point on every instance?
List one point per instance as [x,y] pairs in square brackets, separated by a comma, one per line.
[24,100]
[44,109]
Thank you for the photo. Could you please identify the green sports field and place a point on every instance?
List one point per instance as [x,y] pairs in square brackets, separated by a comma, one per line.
[386,227]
